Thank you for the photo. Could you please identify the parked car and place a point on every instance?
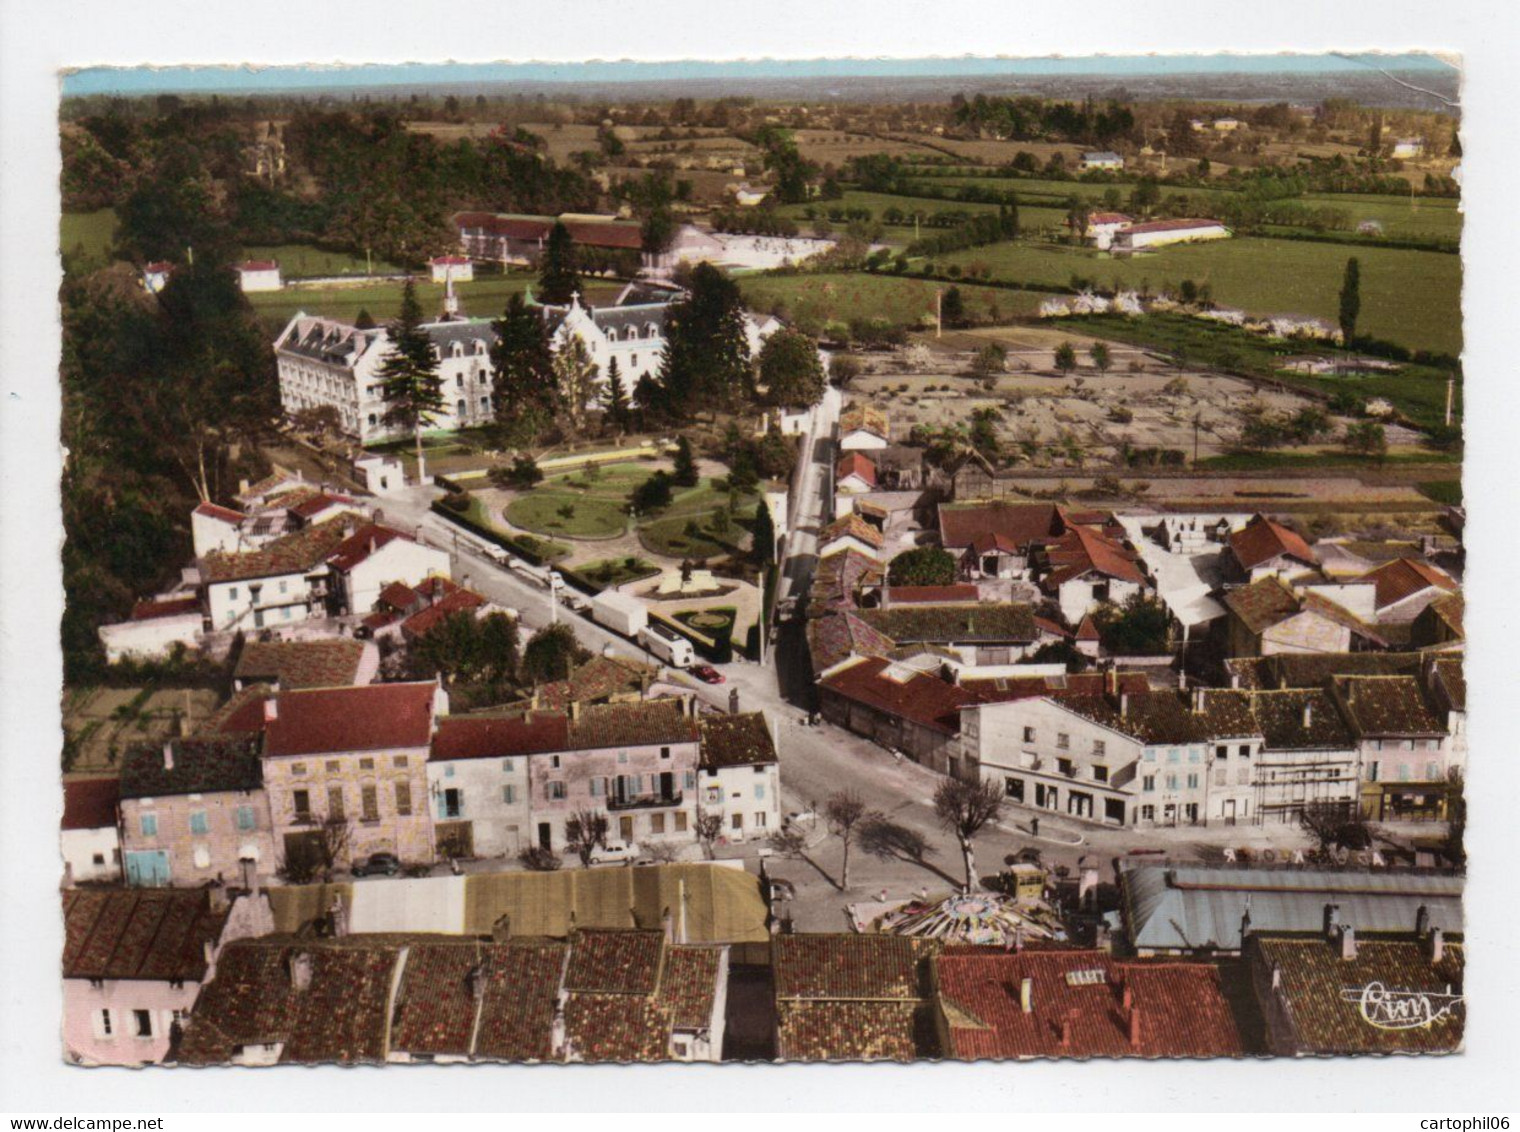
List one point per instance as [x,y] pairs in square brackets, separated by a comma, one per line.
[378,864]
[614,852]
[708,674]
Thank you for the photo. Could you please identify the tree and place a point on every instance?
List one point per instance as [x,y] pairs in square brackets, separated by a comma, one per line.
[684,472]
[1065,357]
[535,858]
[558,278]
[706,360]
[654,494]
[525,390]
[922,566]
[844,812]
[952,308]
[550,653]
[409,381]
[575,375]
[843,369]
[585,833]
[657,231]
[1100,357]
[990,361]
[964,808]
[1335,825]
[762,546]
[616,397]
[791,369]
[1138,628]
[467,649]
[708,827]
[365,320]
[1366,438]
[1351,300]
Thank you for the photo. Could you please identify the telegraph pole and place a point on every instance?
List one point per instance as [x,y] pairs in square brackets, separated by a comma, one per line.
[1451,385]
[939,316]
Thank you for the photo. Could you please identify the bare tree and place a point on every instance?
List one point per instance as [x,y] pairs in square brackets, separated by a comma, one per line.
[585,833]
[1335,825]
[788,843]
[709,827]
[845,811]
[963,808]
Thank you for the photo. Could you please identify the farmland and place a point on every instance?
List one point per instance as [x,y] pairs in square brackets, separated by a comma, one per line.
[1031,217]
[840,296]
[1408,297]
[303,261]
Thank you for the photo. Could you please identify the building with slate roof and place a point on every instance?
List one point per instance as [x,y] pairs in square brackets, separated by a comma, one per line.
[1181,909]
[601,996]
[192,810]
[133,962]
[1344,990]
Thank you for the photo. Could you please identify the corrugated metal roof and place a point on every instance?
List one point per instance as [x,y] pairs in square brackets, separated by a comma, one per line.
[1190,907]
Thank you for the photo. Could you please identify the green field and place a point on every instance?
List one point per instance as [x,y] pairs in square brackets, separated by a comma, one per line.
[901,301]
[483,298]
[1409,297]
[1032,217]
[92,233]
[1402,218]
[302,261]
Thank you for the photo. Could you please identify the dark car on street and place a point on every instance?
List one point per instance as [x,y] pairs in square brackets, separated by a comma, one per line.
[707,674]
[378,865]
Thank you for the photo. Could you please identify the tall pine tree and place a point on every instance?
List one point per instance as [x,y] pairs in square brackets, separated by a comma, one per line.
[615,397]
[706,360]
[409,380]
[763,539]
[558,277]
[684,468]
[1351,300]
[524,380]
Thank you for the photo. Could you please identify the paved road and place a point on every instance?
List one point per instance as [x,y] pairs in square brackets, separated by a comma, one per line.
[817,761]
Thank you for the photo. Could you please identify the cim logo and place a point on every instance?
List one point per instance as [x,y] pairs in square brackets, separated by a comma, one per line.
[1401,1009]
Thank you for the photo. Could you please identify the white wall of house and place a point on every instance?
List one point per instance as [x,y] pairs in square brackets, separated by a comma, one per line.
[208,533]
[1359,598]
[258,603]
[489,793]
[459,272]
[859,440]
[400,560]
[152,638]
[1133,239]
[1080,596]
[122,1021]
[1304,633]
[748,797]
[266,280]
[92,854]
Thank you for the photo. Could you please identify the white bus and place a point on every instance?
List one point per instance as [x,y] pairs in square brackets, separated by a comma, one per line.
[674,649]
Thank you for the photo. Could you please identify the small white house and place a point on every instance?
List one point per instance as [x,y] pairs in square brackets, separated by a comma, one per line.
[156,276]
[478,780]
[456,267]
[739,775]
[1159,233]
[374,556]
[1103,226]
[258,275]
[1101,159]
[156,626]
[382,475]
[864,428]
[90,840]
[1406,148]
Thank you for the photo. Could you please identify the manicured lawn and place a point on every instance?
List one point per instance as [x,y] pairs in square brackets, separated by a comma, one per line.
[568,514]
[90,232]
[608,572]
[1443,491]
[902,301]
[1409,297]
[483,298]
[302,261]
[716,624]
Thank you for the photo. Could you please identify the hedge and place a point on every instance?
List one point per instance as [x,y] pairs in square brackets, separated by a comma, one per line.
[490,534]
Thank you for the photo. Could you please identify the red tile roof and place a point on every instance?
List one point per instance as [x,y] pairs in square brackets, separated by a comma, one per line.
[362,543]
[854,526]
[1082,1004]
[173,607]
[615,962]
[1018,523]
[854,464]
[295,553]
[1088,630]
[398,596]
[323,663]
[632,724]
[932,595]
[137,933]
[918,696]
[500,736]
[318,502]
[1108,218]
[1403,578]
[1177,225]
[1262,540]
[225,514]
[736,740]
[257,265]
[450,260]
[458,600]
[1082,550]
[368,718]
[90,803]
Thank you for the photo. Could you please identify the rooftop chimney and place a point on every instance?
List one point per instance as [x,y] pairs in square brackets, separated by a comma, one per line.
[208,952]
[1308,713]
[1422,920]
[1134,1028]
[733,701]
[475,981]
[1113,681]
[298,966]
[1437,944]
[1065,1033]
[250,870]
[575,711]
[1026,995]
[1348,942]
[271,709]
[1332,914]
[1123,705]
[338,912]
[1198,699]
[168,754]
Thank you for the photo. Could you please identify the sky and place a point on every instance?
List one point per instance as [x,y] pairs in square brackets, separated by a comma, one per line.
[242,79]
